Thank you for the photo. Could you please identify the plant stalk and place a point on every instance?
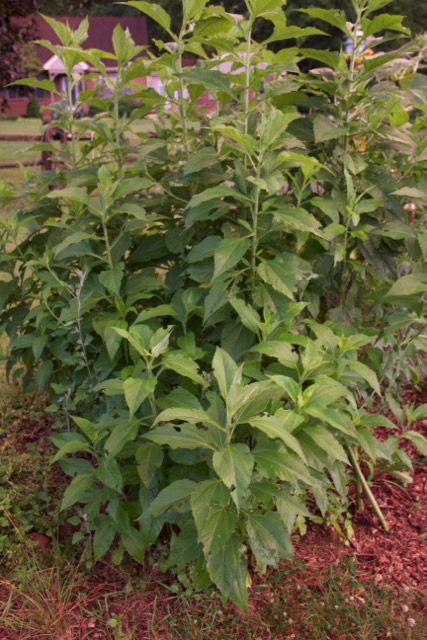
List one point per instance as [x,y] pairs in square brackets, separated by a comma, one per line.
[247,78]
[71,116]
[182,107]
[366,488]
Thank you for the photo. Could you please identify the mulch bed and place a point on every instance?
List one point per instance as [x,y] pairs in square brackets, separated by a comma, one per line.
[395,558]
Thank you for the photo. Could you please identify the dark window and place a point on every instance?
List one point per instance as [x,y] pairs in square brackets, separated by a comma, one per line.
[16,92]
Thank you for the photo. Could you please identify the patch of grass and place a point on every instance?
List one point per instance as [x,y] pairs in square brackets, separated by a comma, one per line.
[21,126]
[13,174]
[292,603]
[15,151]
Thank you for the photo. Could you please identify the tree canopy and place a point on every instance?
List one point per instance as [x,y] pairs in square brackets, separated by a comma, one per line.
[12,38]
[415,13]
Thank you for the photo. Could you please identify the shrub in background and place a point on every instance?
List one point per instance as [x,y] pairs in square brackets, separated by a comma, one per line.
[211,318]
[33,108]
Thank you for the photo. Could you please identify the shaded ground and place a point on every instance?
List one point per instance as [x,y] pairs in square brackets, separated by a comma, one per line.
[374,588]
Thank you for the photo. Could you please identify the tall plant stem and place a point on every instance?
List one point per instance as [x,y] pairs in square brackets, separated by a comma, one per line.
[182,106]
[71,116]
[116,119]
[254,247]
[247,79]
[107,241]
[151,396]
[366,488]
[355,42]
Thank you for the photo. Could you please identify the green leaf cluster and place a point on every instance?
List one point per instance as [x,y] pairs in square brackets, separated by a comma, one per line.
[212,302]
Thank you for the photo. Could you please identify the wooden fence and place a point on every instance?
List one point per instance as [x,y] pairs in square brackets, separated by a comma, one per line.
[45,160]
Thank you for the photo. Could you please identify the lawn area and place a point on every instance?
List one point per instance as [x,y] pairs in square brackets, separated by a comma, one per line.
[17,151]
[21,126]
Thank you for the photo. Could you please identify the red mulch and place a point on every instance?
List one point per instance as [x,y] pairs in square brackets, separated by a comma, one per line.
[396,558]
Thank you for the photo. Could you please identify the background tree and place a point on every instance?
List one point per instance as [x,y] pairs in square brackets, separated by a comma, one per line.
[415,13]
[13,36]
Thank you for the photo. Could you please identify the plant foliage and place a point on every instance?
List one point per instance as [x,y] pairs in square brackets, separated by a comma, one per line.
[214,308]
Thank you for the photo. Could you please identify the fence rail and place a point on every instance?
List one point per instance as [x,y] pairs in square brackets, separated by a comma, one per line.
[45,161]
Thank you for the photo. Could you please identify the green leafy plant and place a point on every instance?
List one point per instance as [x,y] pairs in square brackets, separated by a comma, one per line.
[209,306]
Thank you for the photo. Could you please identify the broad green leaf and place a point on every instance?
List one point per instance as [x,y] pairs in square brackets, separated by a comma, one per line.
[248,315]
[419,413]
[246,142]
[205,249]
[134,338]
[418,440]
[374,5]
[160,310]
[112,278]
[282,351]
[121,434]
[268,493]
[330,58]
[212,80]
[326,441]
[185,548]
[289,385]
[214,515]
[336,419]
[177,492]
[179,398]
[71,193]
[76,490]
[182,364]
[228,570]
[234,465]
[366,373]
[325,393]
[104,535]
[375,420]
[153,11]
[136,390]
[249,400]
[383,22]
[90,429]
[46,85]
[185,414]
[74,446]
[108,471]
[298,219]
[267,9]
[226,371]
[203,159]
[331,16]
[281,426]
[410,285]
[291,32]
[270,460]
[192,8]
[70,240]
[183,436]
[325,129]
[213,193]
[149,457]
[411,192]
[105,328]
[280,278]
[133,541]
[159,341]
[269,539]
[228,253]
